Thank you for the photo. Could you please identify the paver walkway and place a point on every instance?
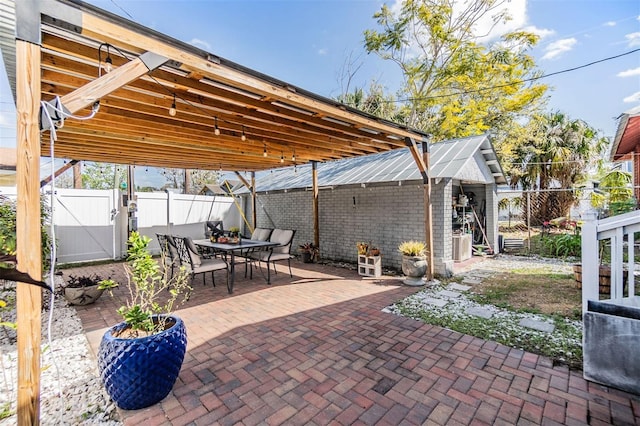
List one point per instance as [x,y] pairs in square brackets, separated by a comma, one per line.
[317,349]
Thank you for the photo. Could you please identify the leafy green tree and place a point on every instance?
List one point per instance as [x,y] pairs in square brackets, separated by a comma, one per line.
[8,239]
[174,178]
[103,175]
[455,84]
[200,178]
[615,192]
[373,101]
[557,155]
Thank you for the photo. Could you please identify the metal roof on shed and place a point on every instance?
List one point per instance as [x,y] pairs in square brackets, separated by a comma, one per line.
[470,159]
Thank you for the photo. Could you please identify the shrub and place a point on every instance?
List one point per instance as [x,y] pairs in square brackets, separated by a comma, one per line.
[563,245]
[8,240]
[412,248]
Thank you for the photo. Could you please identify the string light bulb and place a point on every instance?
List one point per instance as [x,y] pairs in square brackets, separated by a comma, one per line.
[243,137]
[172,110]
[108,63]
[216,129]
[264,151]
[281,156]
[293,157]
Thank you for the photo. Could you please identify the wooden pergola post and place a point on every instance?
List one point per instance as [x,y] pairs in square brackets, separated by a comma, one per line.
[254,215]
[428,214]
[28,241]
[421,157]
[316,220]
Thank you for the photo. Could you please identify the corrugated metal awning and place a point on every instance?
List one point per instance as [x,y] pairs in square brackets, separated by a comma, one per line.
[471,160]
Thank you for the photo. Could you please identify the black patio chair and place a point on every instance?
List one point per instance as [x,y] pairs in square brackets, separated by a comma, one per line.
[169,252]
[196,264]
[284,238]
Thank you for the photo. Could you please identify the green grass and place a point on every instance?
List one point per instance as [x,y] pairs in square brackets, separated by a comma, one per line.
[544,293]
[563,345]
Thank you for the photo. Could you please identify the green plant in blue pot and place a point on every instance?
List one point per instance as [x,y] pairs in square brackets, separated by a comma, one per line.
[140,358]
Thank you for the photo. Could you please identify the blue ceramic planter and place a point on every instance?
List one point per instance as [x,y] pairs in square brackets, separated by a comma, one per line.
[140,372]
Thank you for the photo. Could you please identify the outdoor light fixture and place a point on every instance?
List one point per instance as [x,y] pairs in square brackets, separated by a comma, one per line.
[282,156]
[216,130]
[108,63]
[243,137]
[172,110]
[107,66]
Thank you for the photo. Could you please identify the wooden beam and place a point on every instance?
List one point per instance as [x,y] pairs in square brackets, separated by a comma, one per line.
[244,181]
[77,175]
[254,215]
[418,157]
[316,220]
[277,132]
[102,86]
[428,213]
[28,240]
[60,171]
[135,39]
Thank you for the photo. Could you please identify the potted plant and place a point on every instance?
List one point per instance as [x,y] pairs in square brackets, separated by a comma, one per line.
[139,359]
[414,262]
[363,248]
[83,289]
[310,252]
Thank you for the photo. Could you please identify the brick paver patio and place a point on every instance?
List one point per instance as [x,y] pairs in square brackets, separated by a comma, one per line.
[317,349]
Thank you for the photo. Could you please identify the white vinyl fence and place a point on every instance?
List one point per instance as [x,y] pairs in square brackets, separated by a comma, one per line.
[92,224]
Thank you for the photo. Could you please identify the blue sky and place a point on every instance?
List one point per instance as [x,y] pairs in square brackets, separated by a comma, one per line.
[306,42]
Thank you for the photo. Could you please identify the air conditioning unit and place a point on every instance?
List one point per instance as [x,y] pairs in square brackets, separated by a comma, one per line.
[461,247]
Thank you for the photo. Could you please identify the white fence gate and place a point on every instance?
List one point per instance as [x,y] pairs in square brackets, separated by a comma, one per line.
[92,224]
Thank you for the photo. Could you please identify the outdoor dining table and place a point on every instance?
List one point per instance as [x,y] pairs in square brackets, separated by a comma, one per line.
[231,249]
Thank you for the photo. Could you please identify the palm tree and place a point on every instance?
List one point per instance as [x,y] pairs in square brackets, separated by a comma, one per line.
[615,192]
[508,203]
[558,156]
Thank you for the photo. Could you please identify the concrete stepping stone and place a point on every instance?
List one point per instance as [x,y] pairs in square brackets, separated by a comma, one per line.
[472,280]
[449,293]
[483,273]
[435,302]
[536,325]
[479,312]
[459,287]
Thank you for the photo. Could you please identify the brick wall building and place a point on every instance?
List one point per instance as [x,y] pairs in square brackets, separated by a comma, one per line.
[379,199]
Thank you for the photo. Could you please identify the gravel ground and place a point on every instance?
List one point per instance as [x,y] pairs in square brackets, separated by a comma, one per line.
[70,389]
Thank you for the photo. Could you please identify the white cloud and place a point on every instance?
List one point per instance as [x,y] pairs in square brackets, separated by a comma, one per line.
[633,39]
[200,43]
[488,30]
[323,51]
[629,73]
[559,47]
[610,24]
[540,32]
[632,99]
